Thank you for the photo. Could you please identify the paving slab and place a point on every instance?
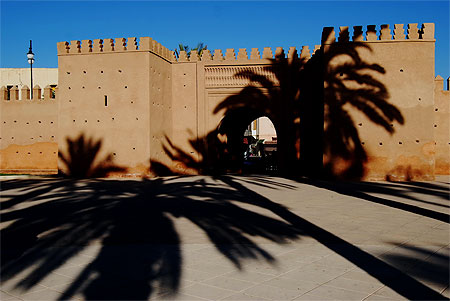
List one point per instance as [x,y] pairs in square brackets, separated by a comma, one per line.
[223,238]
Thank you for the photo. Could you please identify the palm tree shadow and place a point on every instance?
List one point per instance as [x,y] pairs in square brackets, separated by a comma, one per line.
[310,102]
[134,222]
[81,159]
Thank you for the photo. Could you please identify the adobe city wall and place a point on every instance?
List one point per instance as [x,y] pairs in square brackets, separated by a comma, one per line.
[408,60]
[29,131]
[134,95]
[116,94]
[442,126]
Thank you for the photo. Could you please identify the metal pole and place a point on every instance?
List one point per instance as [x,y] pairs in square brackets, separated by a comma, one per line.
[31,72]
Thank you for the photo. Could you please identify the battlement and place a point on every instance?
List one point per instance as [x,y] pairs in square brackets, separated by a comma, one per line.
[12,96]
[243,55]
[383,34]
[439,84]
[114,45]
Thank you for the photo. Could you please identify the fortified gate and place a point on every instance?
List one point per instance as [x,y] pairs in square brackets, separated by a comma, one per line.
[365,105]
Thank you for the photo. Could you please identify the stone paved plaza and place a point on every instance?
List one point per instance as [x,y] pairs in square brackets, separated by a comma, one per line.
[223,238]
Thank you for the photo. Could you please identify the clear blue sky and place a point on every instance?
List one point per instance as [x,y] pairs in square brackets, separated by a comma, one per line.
[220,25]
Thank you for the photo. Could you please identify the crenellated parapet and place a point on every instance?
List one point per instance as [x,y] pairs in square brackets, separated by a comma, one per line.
[439,84]
[242,55]
[383,33]
[114,46]
[120,45]
[39,95]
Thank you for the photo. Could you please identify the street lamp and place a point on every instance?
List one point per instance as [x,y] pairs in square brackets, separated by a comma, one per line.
[30,56]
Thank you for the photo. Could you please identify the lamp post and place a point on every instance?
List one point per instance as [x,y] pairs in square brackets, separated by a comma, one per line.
[30,56]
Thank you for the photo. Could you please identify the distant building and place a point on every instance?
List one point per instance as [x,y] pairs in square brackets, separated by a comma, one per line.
[20,77]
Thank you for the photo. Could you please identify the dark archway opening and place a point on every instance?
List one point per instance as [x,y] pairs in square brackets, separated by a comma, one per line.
[251,142]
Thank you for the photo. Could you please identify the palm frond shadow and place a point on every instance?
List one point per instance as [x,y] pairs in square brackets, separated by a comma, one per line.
[81,159]
[310,103]
[134,223]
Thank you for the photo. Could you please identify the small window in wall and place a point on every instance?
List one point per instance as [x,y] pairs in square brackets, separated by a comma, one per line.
[106,100]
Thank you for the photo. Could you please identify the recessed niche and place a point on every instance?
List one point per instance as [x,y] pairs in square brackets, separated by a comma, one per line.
[84,71]
[40,152]
[15,121]
[137,118]
[12,137]
[417,141]
[126,87]
[134,148]
[69,88]
[53,136]
[18,152]
[400,142]
[70,100]
[82,87]
[99,87]
[114,154]
[436,110]
[360,124]
[101,71]
[74,120]
[28,123]
[68,72]
[112,118]
[85,120]
[435,125]
[420,98]
[29,153]
[39,121]
[401,70]
[362,143]
[51,122]
[381,143]
[98,120]
[120,71]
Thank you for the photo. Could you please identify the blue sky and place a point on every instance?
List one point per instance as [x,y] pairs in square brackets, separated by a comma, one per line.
[218,24]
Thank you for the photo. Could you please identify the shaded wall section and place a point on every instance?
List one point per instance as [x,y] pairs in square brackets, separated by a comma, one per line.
[160,106]
[441,126]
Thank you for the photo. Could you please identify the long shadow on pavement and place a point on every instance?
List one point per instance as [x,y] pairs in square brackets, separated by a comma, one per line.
[140,251]
[390,276]
[134,221]
[363,190]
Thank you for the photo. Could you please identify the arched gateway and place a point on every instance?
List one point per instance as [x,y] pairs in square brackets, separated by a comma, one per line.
[367,107]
